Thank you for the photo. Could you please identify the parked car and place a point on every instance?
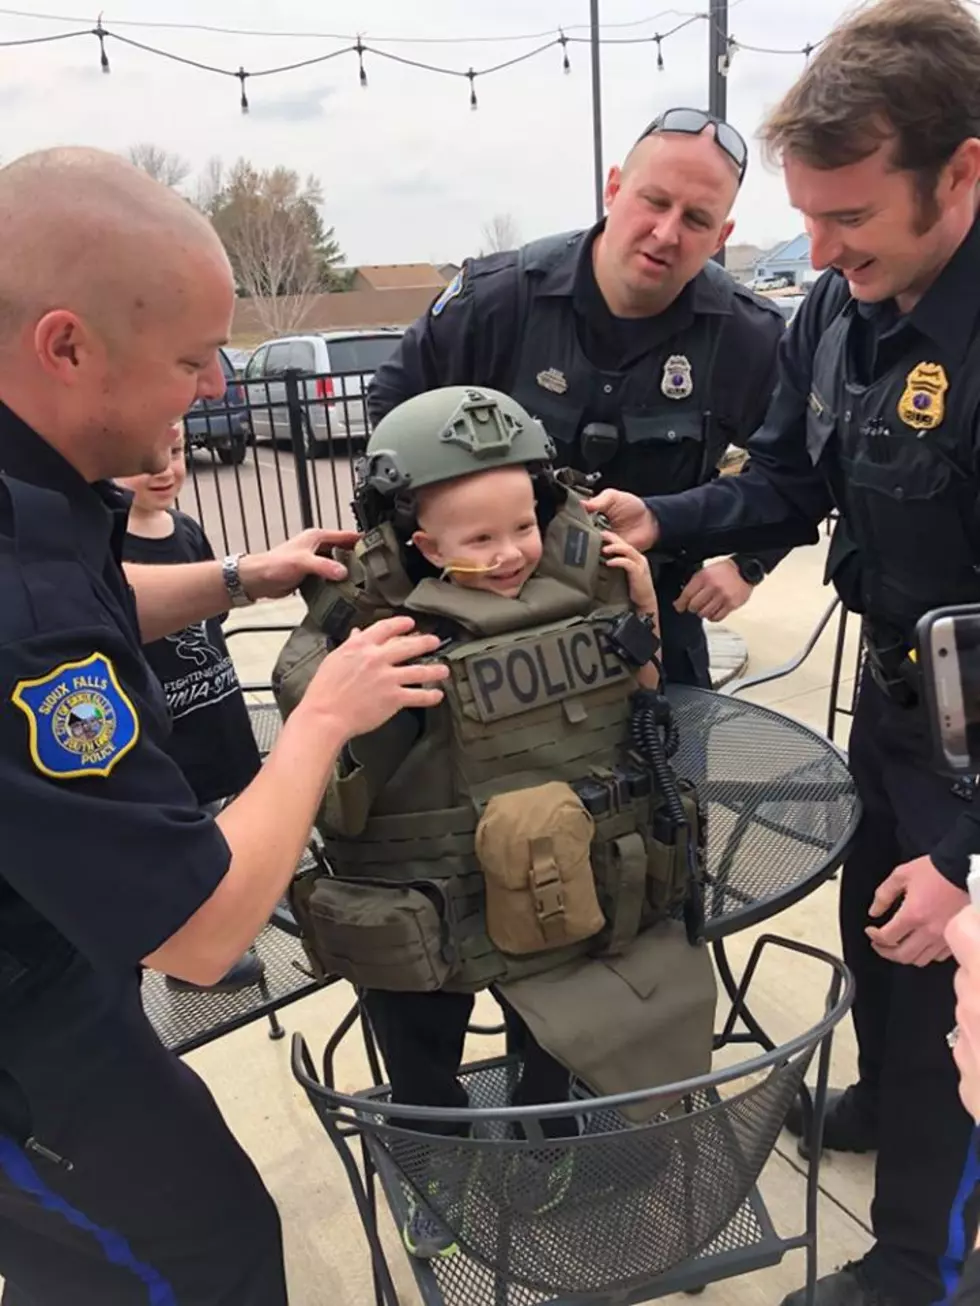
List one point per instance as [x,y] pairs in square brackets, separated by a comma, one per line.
[221,424]
[788,303]
[335,369]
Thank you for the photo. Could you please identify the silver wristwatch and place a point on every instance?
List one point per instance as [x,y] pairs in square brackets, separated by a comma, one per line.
[233,582]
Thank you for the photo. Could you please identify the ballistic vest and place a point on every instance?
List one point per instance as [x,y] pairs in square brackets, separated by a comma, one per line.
[898,455]
[511,828]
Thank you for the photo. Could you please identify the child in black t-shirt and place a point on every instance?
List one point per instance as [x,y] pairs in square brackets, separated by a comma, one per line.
[212,740]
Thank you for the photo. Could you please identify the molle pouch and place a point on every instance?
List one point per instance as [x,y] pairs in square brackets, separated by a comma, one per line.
[668,879]
[379,935]
[363,769]
[533,846]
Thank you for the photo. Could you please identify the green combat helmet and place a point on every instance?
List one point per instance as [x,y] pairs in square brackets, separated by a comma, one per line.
[439,436]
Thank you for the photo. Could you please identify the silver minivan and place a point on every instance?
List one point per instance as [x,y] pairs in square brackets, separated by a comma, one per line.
[335,369]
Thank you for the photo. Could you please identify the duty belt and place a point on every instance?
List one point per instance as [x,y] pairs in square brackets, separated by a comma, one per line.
[891,667]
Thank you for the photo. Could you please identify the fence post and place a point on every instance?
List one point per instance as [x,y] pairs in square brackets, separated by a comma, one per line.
[297,436]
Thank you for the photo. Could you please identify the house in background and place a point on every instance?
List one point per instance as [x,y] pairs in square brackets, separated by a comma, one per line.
[397,276]
[448,270]
[791,260]
[741,261]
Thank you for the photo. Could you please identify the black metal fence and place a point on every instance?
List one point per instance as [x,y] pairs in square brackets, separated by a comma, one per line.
[275,456]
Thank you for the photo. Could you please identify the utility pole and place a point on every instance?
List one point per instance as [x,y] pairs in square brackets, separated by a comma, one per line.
[596,108]
[717,80]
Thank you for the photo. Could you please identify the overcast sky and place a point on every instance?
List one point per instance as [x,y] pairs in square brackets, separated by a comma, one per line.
[408,171]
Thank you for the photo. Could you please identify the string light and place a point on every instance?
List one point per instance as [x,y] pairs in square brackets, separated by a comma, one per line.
[562,40]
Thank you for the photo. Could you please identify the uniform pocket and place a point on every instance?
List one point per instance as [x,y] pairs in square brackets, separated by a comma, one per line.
[533,846]
[378,935]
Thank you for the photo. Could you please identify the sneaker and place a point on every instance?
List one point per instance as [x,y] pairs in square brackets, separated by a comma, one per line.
[246,971]
[537,1184]
[849,1125]
[424,1234]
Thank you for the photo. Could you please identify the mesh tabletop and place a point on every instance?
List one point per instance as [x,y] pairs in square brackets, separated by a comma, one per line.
[781,806]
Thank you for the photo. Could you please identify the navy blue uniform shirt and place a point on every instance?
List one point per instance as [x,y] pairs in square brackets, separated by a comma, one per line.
[106,853]
[783,495]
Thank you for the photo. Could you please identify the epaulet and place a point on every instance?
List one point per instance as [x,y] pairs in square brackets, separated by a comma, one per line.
[758,301]
[541,255]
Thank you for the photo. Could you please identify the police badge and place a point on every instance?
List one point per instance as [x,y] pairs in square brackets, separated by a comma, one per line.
[80,718]
[923,402]
[678,383]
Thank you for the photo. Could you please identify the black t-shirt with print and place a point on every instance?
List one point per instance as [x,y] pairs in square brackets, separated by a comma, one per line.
[212,740]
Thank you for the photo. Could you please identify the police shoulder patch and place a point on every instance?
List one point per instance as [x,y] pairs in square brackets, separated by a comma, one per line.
[81,721]
[451,291]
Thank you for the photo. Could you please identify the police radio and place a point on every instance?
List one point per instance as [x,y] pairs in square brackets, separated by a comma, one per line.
[948,646]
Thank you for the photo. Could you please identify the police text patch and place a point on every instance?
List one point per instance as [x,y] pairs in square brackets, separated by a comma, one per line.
[81,721]
[537,672]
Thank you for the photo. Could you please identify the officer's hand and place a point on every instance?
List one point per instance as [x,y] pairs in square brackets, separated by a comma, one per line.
[371,676]
[628,516]
[277,573]
[963,937]
[617,553]
[714,591]
[915,934]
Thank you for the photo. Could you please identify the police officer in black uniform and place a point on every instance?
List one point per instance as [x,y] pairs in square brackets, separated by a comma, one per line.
[877,412]
[119,1181]
[643,359]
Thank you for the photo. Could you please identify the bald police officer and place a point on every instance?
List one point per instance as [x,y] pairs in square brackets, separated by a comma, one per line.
[119,1182]
[643,359]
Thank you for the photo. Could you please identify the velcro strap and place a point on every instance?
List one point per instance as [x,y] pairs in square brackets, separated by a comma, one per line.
[546,889]
[629,883]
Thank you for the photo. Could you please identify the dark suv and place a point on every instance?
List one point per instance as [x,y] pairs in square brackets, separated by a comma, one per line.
[221,424]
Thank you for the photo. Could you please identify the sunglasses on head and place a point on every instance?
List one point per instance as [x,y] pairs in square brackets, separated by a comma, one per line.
[692,122]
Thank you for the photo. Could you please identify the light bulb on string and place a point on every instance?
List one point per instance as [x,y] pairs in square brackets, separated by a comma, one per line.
[100,32]
[241,75]
[660,55]
[473,100]
[360,59]
[566,66]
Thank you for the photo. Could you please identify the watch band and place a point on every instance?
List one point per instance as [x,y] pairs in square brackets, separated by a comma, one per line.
[750,569]
[233,582]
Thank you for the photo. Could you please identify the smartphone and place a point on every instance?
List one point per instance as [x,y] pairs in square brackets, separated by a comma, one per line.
[948,645]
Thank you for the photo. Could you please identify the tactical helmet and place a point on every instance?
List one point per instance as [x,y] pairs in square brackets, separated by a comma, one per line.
[438,436]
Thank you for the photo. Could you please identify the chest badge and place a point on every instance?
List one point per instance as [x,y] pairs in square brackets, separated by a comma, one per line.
[923,402]
[553,380]
[80,718]
[677,383]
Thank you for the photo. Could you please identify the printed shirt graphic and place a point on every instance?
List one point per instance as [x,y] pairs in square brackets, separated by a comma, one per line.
[212,740]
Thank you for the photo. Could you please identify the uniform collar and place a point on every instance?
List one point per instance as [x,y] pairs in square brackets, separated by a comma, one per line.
[945,314]
[95,507]
[709,292]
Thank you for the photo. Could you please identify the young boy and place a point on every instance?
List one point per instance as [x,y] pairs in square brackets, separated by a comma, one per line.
[212,738]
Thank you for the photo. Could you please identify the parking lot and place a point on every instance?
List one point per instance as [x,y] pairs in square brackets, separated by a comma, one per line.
[256,504]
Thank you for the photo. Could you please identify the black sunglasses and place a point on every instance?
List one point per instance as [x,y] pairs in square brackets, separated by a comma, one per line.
[692,122]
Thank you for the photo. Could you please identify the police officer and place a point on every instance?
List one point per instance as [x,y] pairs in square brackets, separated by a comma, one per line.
[643,359]
[877,412]
[119,1182]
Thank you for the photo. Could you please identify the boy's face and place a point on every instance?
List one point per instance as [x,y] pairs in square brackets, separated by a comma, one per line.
[484,520]
[159,491]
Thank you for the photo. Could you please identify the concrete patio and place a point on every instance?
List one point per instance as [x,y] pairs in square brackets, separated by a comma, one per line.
[250,1077]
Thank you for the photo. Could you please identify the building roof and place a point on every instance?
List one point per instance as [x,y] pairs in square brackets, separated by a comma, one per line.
[397,276]
[789,253]
[353,308]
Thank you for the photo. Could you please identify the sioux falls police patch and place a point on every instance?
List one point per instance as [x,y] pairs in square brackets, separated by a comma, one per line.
[452,290]
[81,721]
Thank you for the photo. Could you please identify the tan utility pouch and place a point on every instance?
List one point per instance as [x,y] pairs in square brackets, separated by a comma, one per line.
[378,935]
[533,848]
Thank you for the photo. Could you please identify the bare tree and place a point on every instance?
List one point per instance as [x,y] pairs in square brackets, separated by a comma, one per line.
[271,226]
[162,165]
[210,185]
[500,233]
